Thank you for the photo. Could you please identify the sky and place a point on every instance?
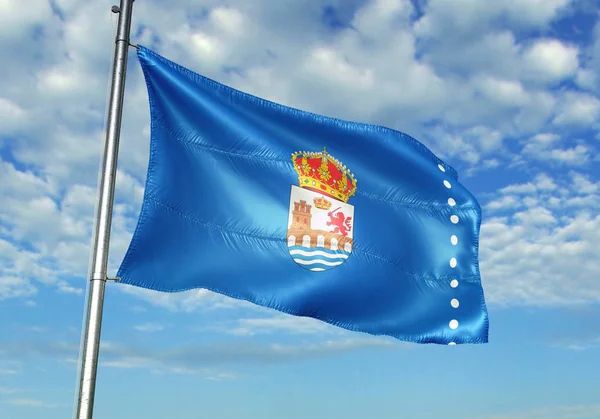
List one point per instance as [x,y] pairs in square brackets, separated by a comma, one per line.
[505,91]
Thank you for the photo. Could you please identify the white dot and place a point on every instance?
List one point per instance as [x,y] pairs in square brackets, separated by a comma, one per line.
[454,219]
[453,324]
[451,202]
[454,240]
[454,283]
[452,343]
[447,184]
[454,303]
[453,263]
[441,168]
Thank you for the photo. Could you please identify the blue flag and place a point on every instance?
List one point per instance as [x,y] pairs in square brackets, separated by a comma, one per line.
[357,225]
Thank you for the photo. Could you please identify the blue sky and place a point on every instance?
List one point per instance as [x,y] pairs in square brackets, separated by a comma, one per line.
[507,92]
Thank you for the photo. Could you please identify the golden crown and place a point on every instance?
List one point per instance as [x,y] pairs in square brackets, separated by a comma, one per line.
[323,173]
[322,203]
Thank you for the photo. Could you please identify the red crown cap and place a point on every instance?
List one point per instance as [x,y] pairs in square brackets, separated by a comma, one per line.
[323,173]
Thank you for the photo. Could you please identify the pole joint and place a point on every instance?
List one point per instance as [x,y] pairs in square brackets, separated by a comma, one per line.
[98,277]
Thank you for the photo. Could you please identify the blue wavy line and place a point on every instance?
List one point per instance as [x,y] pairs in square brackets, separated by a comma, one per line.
[328,259]
[322,249]
[319,265]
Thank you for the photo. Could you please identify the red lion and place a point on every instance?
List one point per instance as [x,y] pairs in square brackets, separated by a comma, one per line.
[341,223]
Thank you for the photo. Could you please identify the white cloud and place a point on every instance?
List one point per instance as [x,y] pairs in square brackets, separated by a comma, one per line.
[60,81]
[503,203]
[281,323]
[209,356]
[508,92]
[6,371]
[229,20]
[12,116]
[574,155]
[11,287]
[523,188]
[205,46]
[326,62]
[579,344]
[583,186]
[187,301]
[378,18]
[15,19]
[471,144]
[543,182]
[36,403]
[35,329]
[467,16]
[545,138]
[534,12]
[589,77]
[550,60]
[31,214]
[21,184]
[578,109]
[538,216]
[149,327]
[586,79]
[548,148]
[68,289]
[208,359]
[544,252]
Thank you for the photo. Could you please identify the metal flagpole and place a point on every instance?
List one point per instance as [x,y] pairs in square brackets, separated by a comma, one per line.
[91,338]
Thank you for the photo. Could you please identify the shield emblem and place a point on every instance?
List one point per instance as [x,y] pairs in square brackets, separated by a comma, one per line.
[320,222]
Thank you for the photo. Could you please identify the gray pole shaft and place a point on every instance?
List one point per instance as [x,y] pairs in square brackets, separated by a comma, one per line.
[91,338]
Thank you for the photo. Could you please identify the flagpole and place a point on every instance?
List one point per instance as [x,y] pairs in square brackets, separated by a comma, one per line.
[98,277]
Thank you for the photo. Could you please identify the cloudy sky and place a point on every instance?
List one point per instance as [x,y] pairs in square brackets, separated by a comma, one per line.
[505,91]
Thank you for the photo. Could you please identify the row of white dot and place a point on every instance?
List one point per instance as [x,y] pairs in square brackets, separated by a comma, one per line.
[454,240]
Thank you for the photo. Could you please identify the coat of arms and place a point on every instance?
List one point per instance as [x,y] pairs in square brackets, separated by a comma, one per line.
[321,222]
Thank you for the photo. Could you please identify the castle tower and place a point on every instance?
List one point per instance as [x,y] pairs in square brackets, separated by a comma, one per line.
[302,216]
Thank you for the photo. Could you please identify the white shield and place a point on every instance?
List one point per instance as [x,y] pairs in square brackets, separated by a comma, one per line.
[320,230]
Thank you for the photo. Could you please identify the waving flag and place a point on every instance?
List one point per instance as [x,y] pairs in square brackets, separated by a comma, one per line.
[357,225]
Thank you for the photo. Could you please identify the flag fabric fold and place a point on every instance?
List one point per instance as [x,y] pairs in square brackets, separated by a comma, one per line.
[357,225]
